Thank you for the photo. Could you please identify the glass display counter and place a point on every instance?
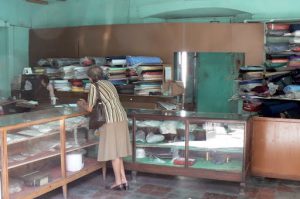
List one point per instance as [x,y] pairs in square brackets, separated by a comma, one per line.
[45,150]
[204,145]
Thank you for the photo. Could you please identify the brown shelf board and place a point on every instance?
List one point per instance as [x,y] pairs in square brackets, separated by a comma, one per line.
[90,165]
[32,192]
[85,145]
[47,154]
[28,137]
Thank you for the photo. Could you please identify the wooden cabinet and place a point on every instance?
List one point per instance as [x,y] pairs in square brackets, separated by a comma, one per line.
[212,146]
[275,148]
[144,102]
[37,149]
[128,101]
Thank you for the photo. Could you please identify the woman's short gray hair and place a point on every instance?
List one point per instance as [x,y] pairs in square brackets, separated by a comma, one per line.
[95,73]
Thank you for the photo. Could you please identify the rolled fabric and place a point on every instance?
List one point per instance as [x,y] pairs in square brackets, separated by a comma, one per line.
[277,32]
[99,61]
[142,60]
[277,26]
[291,89]
[273,109]
[294,27]
[295,40]
[276,48]
[247,85]
[278,39]
[60,62]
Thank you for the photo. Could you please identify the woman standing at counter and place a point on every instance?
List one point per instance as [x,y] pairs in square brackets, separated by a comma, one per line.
[114,141]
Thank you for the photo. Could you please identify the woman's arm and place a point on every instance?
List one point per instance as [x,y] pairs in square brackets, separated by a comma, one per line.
[82,104]
[51,90]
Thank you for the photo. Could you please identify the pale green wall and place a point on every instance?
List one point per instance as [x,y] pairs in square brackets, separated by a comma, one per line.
[18,16]
[93,12]
[3,62]
[15,21]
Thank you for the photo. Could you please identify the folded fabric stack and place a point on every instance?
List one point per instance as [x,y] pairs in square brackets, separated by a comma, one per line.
[118,61]
[276,42]
[86,84]
[39,70]
[80,72]
[147,88]
[117,75]
[52,66]
[294,61]
[67,72]
[89,61]
[77,85]
[275,62]
[283,44]
[146,72]
[292,91]
[277,45]
[60,62]
[73,72]
[150,79]
[62,85]
[251,84]
[52,72]
[125,89]
[132,75]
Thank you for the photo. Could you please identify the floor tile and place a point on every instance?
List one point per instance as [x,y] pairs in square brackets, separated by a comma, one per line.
[153,186]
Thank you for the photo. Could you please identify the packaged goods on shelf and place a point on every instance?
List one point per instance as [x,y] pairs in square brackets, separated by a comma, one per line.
[88,61]
[143,60]
[36,178]
[15,185]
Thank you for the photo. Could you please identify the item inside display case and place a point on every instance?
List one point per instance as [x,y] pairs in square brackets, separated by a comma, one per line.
[181,161]
[36,178]
[75,161]
[15,185]
[212,145]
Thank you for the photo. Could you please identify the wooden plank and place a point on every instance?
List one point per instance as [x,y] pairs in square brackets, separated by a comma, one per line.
[276,149]
[189,172]
[63,148]
[40,121]
[4,159]
[148,39]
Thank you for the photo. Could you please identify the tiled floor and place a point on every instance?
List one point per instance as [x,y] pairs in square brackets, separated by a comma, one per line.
[149,186]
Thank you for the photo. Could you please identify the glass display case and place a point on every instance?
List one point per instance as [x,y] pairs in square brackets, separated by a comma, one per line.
[45,150]
[205,145]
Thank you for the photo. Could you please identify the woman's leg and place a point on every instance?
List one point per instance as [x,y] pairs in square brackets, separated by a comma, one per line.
[123,175]
[116,164]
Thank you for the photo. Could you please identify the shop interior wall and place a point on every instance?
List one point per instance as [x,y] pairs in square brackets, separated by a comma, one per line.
[162,39]
[15,22]
[95,12]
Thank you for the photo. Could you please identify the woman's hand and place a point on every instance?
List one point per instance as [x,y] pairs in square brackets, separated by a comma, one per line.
[82,104]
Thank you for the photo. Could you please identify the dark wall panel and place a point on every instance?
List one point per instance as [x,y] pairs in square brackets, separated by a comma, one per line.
[148,39]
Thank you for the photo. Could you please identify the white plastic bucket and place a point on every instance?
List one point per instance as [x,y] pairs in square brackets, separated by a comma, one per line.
[74,162]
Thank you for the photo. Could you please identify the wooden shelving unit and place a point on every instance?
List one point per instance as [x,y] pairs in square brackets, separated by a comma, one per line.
[60,177]
[232,145]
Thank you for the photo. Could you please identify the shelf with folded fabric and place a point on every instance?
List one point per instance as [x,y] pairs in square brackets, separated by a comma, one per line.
[276,98]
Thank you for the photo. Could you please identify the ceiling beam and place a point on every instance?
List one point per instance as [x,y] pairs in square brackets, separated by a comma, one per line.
[43,2]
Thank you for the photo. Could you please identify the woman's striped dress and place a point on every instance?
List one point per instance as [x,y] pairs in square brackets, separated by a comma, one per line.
[114,135]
